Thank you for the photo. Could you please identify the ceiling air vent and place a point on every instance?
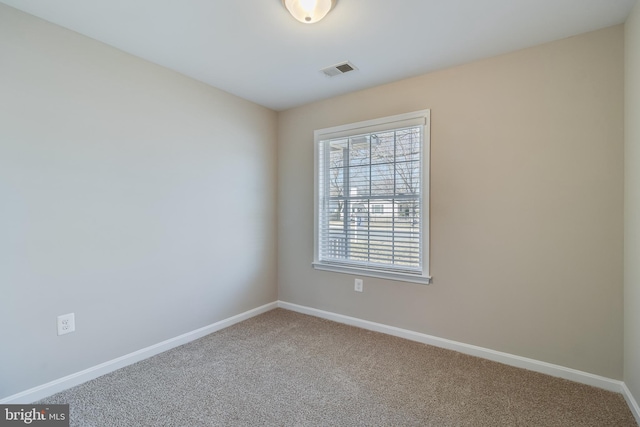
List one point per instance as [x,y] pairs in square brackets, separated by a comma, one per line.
[336,70]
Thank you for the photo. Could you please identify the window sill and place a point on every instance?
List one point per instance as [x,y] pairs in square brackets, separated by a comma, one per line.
[402,277]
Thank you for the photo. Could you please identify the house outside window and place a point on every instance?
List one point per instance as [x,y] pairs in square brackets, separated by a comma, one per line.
[372,198]
[377,209]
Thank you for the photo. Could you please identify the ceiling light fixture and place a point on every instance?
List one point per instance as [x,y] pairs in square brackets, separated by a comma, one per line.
[309,11]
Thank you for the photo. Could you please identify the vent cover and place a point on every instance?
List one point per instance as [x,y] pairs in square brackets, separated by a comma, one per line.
[341,68]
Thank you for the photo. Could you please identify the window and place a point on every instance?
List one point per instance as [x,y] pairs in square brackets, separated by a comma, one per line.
[377,209]
[372,198]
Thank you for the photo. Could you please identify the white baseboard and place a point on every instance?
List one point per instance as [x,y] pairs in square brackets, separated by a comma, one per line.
[44,390]
[485,353]
[633,404]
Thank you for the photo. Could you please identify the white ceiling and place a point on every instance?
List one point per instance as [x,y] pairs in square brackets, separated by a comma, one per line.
[256,50]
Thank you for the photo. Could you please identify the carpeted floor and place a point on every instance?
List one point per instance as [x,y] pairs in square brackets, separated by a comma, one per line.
[287,369]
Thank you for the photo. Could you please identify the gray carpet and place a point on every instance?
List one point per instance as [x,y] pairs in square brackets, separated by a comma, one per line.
[287,369]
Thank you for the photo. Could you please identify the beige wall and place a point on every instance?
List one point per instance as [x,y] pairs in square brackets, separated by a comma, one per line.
[632,205]
[137,198]
[526,204]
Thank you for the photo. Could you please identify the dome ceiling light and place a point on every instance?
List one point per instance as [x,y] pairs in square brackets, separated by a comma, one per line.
[309,11]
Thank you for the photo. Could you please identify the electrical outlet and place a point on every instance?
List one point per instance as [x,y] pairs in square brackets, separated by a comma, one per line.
[358,287]
[66,323]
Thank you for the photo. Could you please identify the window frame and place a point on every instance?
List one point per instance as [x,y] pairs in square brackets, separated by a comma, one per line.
[416,118]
